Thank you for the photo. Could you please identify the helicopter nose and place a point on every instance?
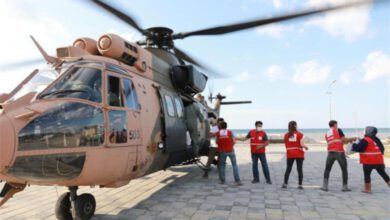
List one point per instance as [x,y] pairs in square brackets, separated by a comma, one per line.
[7,142]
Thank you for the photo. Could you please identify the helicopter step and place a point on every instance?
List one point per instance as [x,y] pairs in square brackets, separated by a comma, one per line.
[9,190]
[77,207]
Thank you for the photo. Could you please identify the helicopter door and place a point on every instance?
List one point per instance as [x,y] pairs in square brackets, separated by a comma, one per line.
[175,127]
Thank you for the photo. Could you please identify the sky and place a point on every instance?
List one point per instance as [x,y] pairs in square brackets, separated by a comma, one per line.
[285,69]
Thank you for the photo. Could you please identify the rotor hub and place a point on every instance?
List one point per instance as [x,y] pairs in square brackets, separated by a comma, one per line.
[160,37]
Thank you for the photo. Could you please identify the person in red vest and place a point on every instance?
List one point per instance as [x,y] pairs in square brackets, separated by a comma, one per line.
[225,141]
[293,140]
[371,156]
[336,139]
[259,140]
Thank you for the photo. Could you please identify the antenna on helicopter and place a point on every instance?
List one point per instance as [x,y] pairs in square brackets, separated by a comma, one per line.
[48,58]
[211,90]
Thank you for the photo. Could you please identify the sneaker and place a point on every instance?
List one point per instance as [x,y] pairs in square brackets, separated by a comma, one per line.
[205,175]
[284,186]
[269,182]
[239,183]
[222,182]
[255,181]
[300,187]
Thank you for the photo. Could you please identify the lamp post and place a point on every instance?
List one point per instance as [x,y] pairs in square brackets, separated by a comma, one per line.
[329,92]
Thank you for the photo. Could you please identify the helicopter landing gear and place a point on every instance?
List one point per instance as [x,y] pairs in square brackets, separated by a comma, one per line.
[71,206]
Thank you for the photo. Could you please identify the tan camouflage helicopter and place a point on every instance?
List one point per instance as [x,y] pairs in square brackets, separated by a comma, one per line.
[107,112]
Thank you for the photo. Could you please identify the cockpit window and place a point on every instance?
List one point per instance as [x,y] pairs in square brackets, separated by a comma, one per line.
[78,82]
[67,125]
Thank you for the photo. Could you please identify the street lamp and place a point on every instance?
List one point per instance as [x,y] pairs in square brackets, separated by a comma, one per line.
[329,92]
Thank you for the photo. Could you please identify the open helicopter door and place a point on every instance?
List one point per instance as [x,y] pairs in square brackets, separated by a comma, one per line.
[175,129]
[124,121]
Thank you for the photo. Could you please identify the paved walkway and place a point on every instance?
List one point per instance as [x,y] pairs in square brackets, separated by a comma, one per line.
[181,193]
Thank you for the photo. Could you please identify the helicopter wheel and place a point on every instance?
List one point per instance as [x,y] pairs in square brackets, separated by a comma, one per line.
[62,208]
[84,206]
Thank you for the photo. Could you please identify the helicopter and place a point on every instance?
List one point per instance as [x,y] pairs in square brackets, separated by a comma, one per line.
[108,111]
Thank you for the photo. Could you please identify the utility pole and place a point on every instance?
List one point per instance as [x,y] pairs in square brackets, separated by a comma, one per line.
[329,92]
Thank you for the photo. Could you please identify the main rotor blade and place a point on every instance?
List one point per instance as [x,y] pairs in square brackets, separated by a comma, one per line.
[124,17]
[16,65]
[259,22]
[183,55]
[236,103]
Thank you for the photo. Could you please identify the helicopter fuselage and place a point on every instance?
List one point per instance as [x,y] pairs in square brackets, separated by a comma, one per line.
[101,122]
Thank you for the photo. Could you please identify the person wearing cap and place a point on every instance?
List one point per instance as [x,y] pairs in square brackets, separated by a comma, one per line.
[371,152]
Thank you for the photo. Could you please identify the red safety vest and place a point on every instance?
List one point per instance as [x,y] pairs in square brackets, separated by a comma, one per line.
[372,154]
[225,141]
[293,145]
[256,140]
[333,139]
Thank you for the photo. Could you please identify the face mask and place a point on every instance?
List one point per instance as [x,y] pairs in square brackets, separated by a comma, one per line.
[259,128]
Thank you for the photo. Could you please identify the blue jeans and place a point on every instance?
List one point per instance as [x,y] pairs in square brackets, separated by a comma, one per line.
[222,165]
[255,168]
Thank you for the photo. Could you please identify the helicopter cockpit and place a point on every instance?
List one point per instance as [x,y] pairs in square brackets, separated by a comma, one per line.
[79,81]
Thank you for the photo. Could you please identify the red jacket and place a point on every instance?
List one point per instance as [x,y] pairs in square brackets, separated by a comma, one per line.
[257,138]
[293,145]
[333,139]
[225,141]
[372,154]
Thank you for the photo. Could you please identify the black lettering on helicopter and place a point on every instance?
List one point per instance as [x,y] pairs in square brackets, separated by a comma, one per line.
[134,134]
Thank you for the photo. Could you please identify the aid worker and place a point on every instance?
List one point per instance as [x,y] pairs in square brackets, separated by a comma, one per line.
[336,139]
[259,140]
[225,141]
[294,142]
[371,156]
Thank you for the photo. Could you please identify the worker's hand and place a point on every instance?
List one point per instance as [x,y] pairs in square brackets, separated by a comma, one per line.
[353,139]
[306,148]
[201,125]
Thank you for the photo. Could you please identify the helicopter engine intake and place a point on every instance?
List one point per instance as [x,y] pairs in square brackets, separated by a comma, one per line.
[87,44]
[188,79]
[113,46]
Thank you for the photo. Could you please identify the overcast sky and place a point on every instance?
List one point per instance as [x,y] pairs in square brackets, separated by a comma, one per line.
[285,69]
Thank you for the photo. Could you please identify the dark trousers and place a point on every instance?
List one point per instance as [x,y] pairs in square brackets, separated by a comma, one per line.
[380,168]
[290,163]
[340,157]
[264,165]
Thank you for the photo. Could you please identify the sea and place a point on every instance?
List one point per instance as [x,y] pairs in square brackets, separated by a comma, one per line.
[317,135]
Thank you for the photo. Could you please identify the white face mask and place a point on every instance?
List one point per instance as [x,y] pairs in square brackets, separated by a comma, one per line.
[259,128]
